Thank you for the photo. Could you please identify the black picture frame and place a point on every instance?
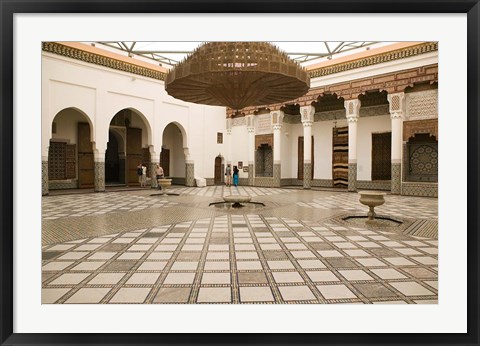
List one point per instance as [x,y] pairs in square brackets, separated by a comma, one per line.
[10,7]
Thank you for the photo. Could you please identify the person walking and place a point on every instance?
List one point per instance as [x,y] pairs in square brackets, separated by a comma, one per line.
[159,174]
[140,174]
[228,175]
[235,175]
[144,176]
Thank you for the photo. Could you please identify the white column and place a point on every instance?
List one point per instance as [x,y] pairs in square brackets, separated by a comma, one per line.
[277,121]
[154,160]
[228,141]
[189,168]
[352,108]
[99,168]
[307,114]
[251,148]
[397,107]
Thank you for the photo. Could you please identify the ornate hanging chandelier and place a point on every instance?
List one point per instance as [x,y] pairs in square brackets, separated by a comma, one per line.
[237,75]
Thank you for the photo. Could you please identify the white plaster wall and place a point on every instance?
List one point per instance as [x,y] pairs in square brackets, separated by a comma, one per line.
[210,149]
[365,127]
[101,92]
[173,139]
[240,148]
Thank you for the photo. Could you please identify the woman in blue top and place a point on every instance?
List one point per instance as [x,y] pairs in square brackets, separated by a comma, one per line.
[235,175]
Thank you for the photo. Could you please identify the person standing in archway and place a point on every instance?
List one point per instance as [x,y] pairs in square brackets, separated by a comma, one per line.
[144,175]
[235,175]
[228,175]
[140,174]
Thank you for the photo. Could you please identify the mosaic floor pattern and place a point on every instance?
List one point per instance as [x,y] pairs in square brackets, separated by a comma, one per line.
[255,257]
[395,206]
[56,207]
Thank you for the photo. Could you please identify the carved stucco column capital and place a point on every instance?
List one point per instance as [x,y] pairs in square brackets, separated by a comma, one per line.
[277,118]
[396,105]
[307,113]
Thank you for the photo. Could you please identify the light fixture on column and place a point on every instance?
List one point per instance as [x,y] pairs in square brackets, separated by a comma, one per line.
[237,75]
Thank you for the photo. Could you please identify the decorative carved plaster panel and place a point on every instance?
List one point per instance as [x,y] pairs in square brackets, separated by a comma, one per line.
[374,111]
[242,121]
[292,119]
[263,124]
[422,105]
[330,115]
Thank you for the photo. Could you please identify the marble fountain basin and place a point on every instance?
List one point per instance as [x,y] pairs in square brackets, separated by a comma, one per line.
[164,183]
[372,199]
[237,200]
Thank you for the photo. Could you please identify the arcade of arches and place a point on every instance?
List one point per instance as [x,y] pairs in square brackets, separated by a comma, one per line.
[375,132]
[71,159]
[71,151]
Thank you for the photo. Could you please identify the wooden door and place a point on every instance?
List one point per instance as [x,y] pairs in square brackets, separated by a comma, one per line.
[134,154]
[218,171]
[340,157]
[165,161]
[86,175]
[381,156]
[300,158]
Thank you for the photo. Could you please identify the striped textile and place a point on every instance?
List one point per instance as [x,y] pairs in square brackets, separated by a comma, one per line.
[340,157]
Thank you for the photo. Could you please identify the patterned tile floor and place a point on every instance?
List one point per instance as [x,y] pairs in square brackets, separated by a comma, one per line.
[402,206]
[193,253]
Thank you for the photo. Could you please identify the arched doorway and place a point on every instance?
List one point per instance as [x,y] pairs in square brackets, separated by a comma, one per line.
[172,157]
[70,153]
[127,147]
[218,171]
[115,158]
